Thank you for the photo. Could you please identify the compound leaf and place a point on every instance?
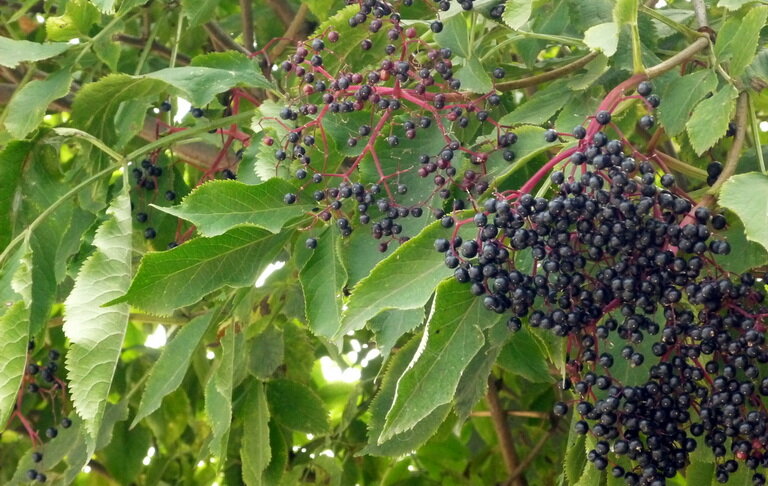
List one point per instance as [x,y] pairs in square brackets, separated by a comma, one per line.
[738,195]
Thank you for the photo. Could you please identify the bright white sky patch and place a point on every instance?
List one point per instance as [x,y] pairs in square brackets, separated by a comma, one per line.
[157,339]
[182,108]
[271,268]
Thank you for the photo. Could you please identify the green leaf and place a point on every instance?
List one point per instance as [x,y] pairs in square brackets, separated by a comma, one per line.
[79,16]
[530,143]
[198,11]
[126,450]
[625,12]
[241,68]
[733,4]
[744,254]
[738,194]
[255,451]
[169,370]
[218,395]
[12,159]
[517,13]
[95,332]
[603,37]
[474,380]
[575,454]
[455,36]
[699,472]
[541,106]
[28,105]
[266,352]
[389,327]
[403,280]
[14,336]
[738,39]
[297,407]
[474,78]
[406,442]
[323,279]
[218,206]
[12,51]
[171,279]
[198,84]
[710,119]
[96,103]
[523,356]
[452,338]
[686,91]
[106,6]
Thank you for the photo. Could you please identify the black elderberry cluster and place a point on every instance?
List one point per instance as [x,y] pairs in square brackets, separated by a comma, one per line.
[624,268]
[41,382]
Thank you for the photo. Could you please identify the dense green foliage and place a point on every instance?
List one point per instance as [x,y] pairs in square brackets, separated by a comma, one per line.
[229,241]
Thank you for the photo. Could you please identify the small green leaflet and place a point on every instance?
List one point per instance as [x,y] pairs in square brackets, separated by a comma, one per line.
[738,39]
[710,118]
[297,407]
[625,12]
[603,37]
[12,159]
[169,370]
[733,4]
[255,451]
[517,13]
[14,336]
[198,11]
[403,280]
[12,52]
[406,442]
[744,254]
[171,279]
[474,77]
[106,6]
[541,106]
[266,352]
[27,107]
[575,455]
[218,206]
[524,356]
[95,332]
[389,327]
[218,394]
[322,279]
[747,196]
[453,337]
[455,36]
[686,91]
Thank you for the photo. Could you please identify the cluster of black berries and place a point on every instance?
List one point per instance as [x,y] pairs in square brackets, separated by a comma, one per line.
[624,266]
[146,177]
[409,94]
[41,381]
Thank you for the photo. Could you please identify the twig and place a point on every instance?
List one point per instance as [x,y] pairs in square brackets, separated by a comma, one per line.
[547,76]
[292,30]
[283,11]
[513,413]
[508,452]
[157,48]
[732,160]
[701,13]
[698,45]
[246,12]
[218,35]
[532,454]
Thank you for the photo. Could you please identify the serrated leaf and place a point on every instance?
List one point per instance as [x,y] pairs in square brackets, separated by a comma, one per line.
[738,39]
[297,407]
[523,356]
[686,91]
[255,451]
[218,206]
[14,336]
[96,103]
[744,254]
[473,77]
[79,16]
[266,352]
[517,13]
[242,69]
[404,443]
[603,37]
[95,332]
[575,455]
[455,36]
[541,106]
[739,195]
[12,51]
[199,84]
[625,12]
[171,279]
[27,107]
[218,394]
[390,326]
[733,4]
[452,338]
[169,370]
[198,11]
[323,279]
[710,119]
[474,380]
[12,159]
[278,448]
[403,280]
[105,6]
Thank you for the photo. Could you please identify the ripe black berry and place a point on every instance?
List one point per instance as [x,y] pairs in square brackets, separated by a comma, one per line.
[150,233]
